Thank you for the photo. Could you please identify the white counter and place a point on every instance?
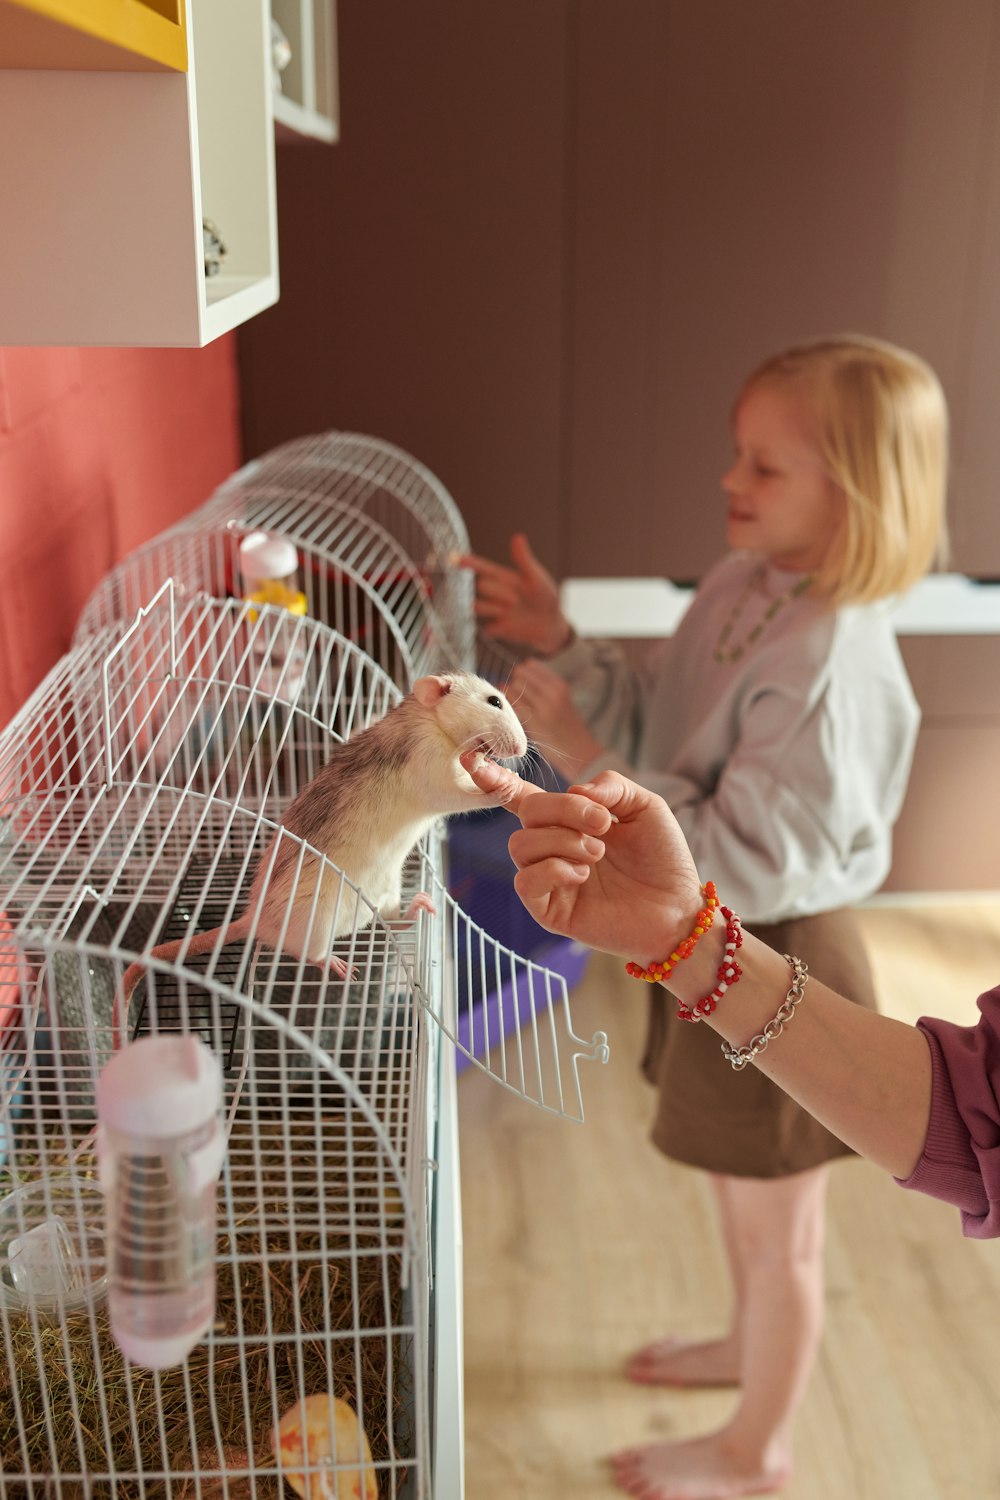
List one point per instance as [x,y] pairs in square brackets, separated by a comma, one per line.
[942,604]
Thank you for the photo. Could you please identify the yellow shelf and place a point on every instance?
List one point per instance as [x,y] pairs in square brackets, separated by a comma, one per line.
[94,35]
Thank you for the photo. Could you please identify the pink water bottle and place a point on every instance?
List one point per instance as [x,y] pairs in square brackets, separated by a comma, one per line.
[160,1148]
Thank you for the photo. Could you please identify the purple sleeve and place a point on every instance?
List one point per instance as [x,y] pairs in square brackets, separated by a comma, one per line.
[961,1157]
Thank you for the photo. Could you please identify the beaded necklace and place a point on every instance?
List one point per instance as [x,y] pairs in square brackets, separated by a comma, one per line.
[726,658]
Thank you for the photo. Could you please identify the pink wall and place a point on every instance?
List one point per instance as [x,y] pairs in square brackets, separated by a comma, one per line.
[99,450]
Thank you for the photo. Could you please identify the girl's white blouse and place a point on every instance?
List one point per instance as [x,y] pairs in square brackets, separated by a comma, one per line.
[785,769]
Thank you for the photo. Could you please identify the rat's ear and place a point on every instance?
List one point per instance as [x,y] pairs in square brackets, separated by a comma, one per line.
[430,690]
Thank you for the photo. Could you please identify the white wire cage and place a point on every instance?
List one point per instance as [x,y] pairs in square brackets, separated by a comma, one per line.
[190,700]
[365,474]
[319,1267]
[375,533]
[300,487]
[322,1251]
[138,789]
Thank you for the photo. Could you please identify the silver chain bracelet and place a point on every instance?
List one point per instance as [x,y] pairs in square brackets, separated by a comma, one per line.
[738,1057]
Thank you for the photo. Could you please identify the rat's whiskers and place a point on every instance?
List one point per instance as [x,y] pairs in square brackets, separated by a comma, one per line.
[536,761]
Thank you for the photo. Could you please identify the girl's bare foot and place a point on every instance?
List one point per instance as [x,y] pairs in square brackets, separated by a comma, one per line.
[699,1469]
[671,1361]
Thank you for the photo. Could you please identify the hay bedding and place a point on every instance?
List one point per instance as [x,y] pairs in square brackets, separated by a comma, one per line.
[294,1298]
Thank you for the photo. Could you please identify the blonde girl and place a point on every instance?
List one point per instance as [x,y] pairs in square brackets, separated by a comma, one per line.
[779,724]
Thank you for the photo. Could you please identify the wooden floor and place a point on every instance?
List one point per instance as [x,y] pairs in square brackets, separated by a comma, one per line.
[582,1242]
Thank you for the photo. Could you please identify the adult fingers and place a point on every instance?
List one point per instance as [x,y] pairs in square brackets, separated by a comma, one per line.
[534,846]
[623,798]
[537,884]
[565,810]
[536,808]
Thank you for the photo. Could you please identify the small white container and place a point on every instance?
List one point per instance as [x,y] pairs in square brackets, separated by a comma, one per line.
[269,564]
[269,570]
[160,1151]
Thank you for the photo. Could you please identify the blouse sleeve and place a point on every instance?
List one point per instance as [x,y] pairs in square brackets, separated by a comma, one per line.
[791,807]
[785,783]
[607,693]
[960,1162]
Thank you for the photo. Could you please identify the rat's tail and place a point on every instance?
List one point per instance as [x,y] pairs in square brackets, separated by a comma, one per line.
[201,942]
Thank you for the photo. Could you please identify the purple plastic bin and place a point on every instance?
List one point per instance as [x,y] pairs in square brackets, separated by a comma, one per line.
[481,880]
[480,1026]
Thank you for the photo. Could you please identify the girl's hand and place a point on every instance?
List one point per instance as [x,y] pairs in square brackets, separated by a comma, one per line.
[519,604]
[605,862]
[545,707]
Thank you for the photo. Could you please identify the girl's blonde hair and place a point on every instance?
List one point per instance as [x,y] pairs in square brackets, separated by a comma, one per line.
[882,429]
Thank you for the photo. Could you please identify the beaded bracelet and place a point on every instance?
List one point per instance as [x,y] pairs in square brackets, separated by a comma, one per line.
[728,973]
[738,1057]
[656,973]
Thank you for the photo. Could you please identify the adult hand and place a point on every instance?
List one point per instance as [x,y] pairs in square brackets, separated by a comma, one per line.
[604,862]
[519,604]
[545,707]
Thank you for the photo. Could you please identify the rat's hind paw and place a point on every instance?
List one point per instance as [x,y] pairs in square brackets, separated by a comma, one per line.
[420,902]
[339,967]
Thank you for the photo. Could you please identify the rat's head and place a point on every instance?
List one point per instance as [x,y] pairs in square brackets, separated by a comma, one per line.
[473,714]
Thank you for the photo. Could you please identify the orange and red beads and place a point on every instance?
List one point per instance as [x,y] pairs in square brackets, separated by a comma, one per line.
[729,971]
[657,972]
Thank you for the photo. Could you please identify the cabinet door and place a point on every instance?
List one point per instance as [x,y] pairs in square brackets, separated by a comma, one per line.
[306,100]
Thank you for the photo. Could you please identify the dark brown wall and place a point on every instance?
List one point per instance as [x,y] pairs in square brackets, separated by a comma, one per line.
[423,257]
[555,234]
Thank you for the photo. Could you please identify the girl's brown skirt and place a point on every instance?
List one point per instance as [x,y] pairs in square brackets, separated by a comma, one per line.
[742,1124]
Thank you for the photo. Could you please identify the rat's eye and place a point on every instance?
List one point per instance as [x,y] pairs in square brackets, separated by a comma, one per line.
[495,701]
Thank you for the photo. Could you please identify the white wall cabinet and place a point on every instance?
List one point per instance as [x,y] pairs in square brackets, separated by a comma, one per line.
[118,152]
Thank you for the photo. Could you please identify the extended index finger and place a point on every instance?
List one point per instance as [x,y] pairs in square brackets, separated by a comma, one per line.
[536,807]
[498,781]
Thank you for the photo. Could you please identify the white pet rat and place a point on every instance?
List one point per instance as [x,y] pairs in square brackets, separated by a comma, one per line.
[378,794]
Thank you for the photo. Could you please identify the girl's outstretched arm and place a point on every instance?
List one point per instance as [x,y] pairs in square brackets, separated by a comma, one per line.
[520,603]
[607,864]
